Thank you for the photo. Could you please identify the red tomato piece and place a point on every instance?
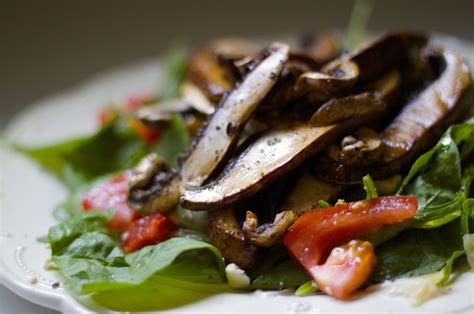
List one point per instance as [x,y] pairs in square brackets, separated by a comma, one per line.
[346,269]
[315,233]
[105,115]
[112,195]
[149,135]
[147,230]
[135,102]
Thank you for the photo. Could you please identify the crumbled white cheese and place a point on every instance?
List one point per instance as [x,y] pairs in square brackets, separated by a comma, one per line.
[468,241]
[236,277]
[418,289]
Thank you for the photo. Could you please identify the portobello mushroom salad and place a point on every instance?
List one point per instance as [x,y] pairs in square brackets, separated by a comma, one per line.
[296,166]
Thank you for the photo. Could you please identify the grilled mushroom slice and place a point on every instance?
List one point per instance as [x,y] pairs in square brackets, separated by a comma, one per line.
[321,47]
[196,99]
[321,86]
[416,127]
[341,109]
[363,148]
[205,71]
[381,54]
[361,65]
[154,187]
[223,129]
[308,191]
[160,114]
[228,237]
[423,119]
[275,153]
[267,235]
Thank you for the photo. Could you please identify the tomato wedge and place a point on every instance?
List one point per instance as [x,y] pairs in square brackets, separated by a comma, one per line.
[112,195]
[147,134]
[312,236]
[346,269]
[147,230]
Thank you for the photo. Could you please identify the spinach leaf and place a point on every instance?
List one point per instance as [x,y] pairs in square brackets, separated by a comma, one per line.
[175,67]
[416,252]
[92,263]
[436,178]
[113,148]
[62,235]
[173,141]
[286,274]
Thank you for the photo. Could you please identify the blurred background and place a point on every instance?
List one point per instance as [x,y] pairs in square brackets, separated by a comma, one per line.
[49,45]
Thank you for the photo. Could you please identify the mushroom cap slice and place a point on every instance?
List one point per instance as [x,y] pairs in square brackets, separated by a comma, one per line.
[205,71]
[223,129]
[381,54]
[307,191]
[228,237]
[361,65]
[340,109]
[154,187]
[274,153]
[195,98]
[321,86]
[416,127]
[267,235]
[423,119]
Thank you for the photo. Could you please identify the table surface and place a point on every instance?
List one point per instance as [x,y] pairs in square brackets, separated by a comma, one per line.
[50,45]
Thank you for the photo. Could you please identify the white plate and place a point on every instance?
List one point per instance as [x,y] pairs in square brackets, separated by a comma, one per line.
[27,195]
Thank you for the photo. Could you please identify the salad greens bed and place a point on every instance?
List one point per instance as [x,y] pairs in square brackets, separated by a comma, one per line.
[187,268]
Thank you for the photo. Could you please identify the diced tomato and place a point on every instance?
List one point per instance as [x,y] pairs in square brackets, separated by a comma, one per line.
[346,269]
[105,115]
[147,230]
[149,135]
[315,233]
[112,195]
[135,102]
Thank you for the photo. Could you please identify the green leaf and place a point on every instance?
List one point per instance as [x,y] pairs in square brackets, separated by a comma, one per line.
[43,239]
[416,252]
[306,289]
[173,141]
[91,262]
[176,62]
[369,187]
[323,204]
[62,235]
[447,270]
[113,148]
[436,178]
[284,275]
[357,28]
